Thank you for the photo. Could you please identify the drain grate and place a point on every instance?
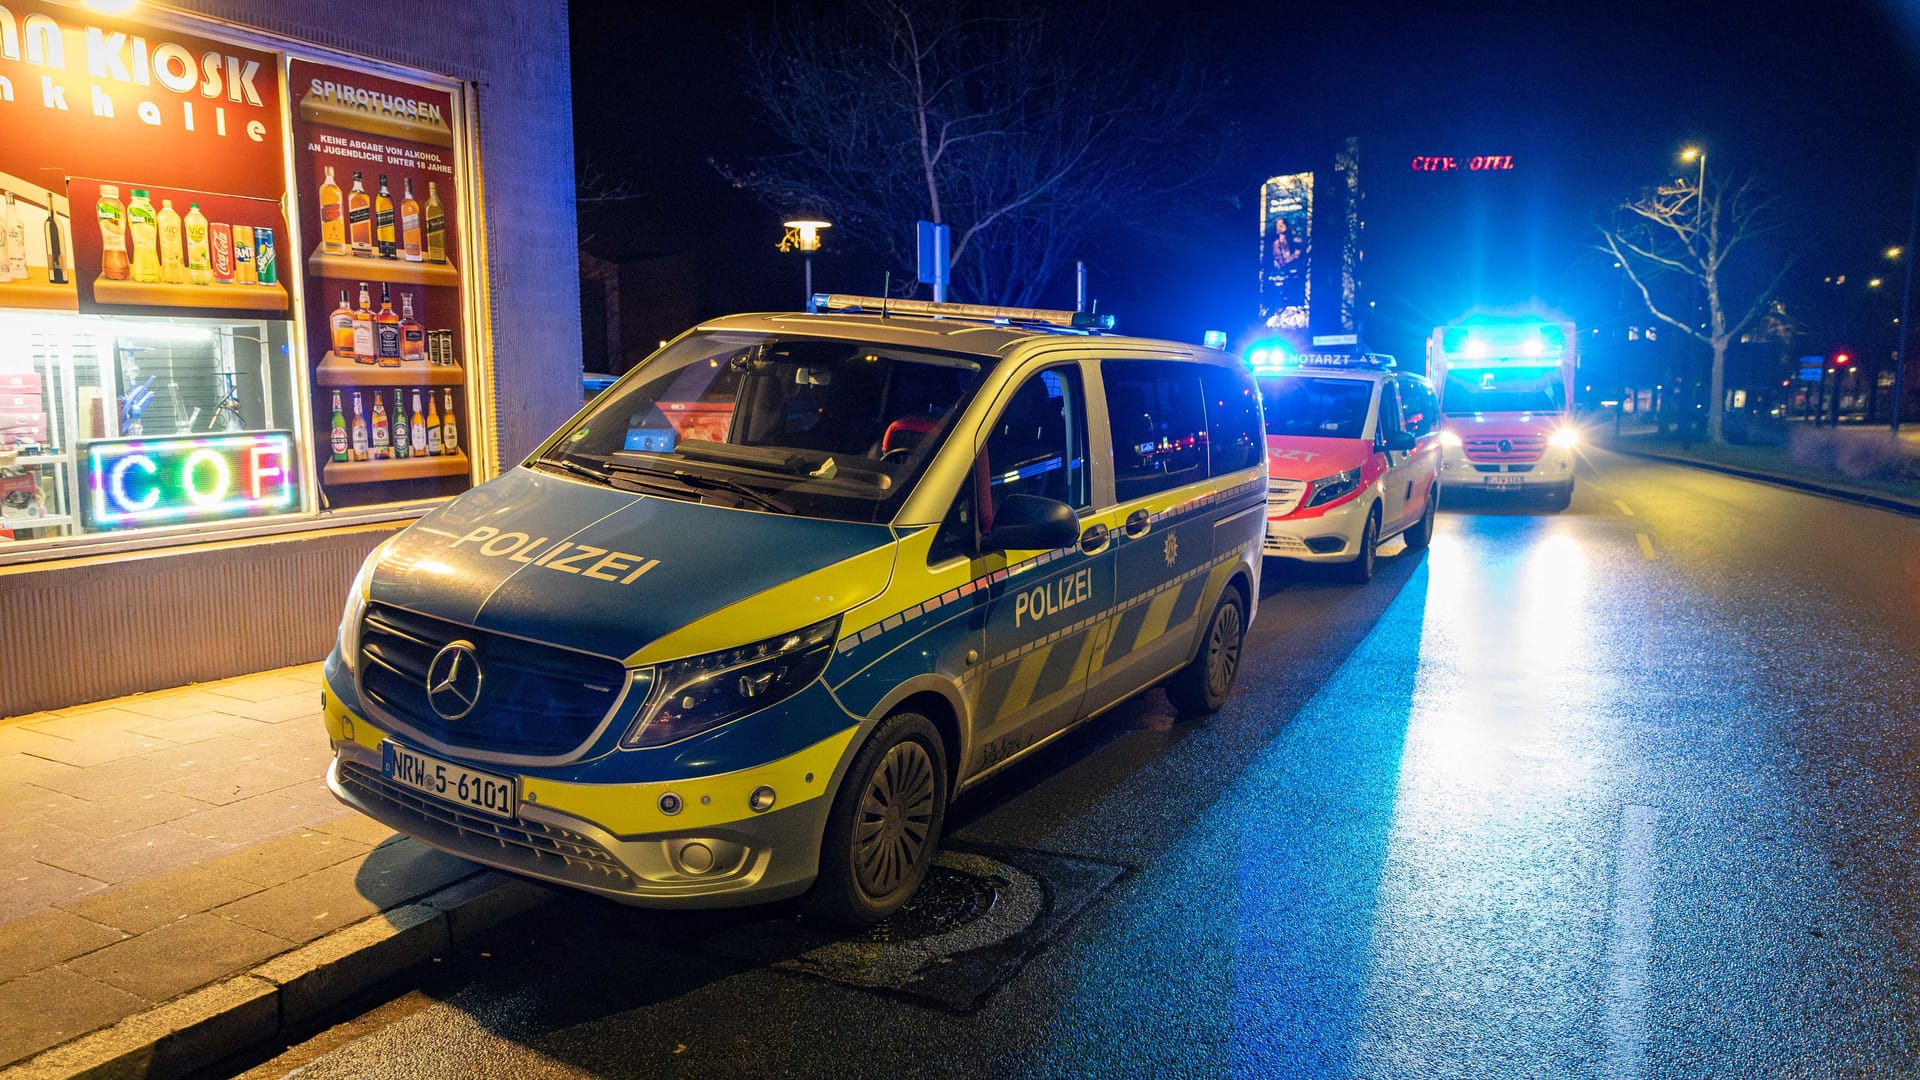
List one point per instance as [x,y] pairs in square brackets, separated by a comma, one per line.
[981,915]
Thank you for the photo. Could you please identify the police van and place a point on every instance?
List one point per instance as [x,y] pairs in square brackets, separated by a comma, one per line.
[740,629]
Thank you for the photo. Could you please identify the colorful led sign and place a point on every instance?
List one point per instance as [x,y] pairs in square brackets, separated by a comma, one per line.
[189,478]
[1484,163]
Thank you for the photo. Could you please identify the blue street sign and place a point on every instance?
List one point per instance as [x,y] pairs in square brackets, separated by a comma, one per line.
[935,252]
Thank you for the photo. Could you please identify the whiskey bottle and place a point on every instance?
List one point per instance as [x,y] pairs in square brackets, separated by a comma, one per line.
[449,431]
[434,447]
[386,328]
[383,220]
[339,419]
[409,222]
[382,435]
[342,323]
[402,430]
[358,430]
[56,251]
[413,336]
[436,225]
[359,219]
[364,350]
[333,220]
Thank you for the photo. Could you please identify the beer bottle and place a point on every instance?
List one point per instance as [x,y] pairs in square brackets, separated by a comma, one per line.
[418,428]
[382,435]
[339,420]
[402,433]
[434,447]
[359,430]
[449,432]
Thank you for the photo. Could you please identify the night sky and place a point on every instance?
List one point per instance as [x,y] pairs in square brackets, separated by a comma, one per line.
[1817,102]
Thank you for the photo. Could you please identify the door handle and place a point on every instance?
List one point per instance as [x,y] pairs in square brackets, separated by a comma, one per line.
[1094,539]
[1137,524]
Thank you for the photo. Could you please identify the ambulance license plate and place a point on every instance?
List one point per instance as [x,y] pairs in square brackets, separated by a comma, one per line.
[1497,480]
[496,796]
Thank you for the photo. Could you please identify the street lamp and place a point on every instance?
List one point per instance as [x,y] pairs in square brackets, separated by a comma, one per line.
[803,235]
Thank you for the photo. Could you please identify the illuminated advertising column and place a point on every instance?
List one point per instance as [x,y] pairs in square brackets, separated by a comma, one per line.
[379,198]
[1286,252]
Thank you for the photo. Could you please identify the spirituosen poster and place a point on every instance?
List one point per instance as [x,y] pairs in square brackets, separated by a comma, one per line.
[378,195]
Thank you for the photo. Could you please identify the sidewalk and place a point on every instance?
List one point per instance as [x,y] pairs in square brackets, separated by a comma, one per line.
[179,883]
[1858,463]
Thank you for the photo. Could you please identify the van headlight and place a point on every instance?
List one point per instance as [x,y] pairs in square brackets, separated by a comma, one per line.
[1565,438]
[1450,438]
[702,692]
[349,638]
[1333,487]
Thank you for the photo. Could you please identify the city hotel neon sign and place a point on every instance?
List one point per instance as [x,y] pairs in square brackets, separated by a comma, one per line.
[1483,163]
[189,478]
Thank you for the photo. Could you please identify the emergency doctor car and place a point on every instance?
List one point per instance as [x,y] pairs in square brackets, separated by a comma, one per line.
[740,629]
[1353,452]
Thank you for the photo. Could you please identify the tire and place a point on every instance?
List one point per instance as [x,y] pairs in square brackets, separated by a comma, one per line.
[884,826]
[1203,685]
[1422,532]
[1560,498]
[1359,570]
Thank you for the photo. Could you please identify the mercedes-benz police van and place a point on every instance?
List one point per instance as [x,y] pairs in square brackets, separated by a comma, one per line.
[741,628]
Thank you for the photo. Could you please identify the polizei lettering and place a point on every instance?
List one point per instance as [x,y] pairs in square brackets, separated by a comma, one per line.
[565,556]
[1053,597]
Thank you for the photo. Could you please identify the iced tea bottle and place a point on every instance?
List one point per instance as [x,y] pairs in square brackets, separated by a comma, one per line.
[173,247]
[113,234]
[143,225]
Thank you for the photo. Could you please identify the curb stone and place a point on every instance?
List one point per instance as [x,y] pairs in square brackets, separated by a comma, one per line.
[1867,498]
[215,1022]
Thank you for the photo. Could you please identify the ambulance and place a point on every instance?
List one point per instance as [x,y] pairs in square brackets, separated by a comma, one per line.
[1353,456]
[1506,392]
[742,628]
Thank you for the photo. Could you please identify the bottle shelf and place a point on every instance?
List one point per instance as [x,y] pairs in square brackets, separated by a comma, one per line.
[413,468]
[394,271]
[269,297]
[35,291]
[11,460]
[46,521]
[337,370]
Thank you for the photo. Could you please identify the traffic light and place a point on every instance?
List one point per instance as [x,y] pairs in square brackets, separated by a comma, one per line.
[1842,359]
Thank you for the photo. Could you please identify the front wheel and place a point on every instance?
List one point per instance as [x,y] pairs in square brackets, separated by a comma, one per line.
[1422,532]
[1203,685]
[1360,570]
[884,826]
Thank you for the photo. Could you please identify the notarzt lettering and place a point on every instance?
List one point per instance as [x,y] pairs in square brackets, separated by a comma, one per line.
[565,556]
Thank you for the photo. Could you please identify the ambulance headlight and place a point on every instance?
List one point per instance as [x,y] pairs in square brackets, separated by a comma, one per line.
[1450,438]
[1333,487]
[349,637]
[702,692]
[1566,438]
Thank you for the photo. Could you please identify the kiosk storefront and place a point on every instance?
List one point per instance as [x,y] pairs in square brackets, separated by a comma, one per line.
[245,332]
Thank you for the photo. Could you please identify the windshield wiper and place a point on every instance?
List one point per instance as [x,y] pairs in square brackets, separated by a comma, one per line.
[695,480]
[577,469]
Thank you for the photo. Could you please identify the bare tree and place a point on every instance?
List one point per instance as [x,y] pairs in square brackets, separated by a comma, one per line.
[1018,131]
[1703,236]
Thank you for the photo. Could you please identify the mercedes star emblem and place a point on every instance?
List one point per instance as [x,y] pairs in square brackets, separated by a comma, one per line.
[1506,446]
[453,680]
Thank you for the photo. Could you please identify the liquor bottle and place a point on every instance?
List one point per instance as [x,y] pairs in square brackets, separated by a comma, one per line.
[418,428]
[113,233]
[359,219]
[173,248]
[199,255]
[409,222]
[449,431]
[383,221]
[339,424]
[333,220]
[402,430]
[413,336]
[342,323]
[56,251]
[364,351]
[145,230]
[358,430]
[436,225]
[382,435]
[16,241]
[434,447]
[386,329]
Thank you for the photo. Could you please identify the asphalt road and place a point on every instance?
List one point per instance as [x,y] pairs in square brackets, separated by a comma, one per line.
[1628,790]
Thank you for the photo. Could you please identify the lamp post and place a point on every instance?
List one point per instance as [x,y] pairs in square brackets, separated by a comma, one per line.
[803,235]
[1699,211]
[1906,299]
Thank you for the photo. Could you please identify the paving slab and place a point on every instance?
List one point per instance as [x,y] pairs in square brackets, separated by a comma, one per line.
[278,710]
[174,1039]
[131,856]
[88,722]
[359,827]
[262,817]
[24,839]
[155,902]
[279,861]
[34,886]
[46,938]
[97,748]
[180,956]
[31,800]
[267,687]
[329,971]
[176,704]
[117,815]
[196,728]
[236,782]
[52,1006]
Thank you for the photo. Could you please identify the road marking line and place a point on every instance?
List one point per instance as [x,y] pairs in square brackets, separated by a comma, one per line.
[1624,508]
[1646,545]
[1629,944]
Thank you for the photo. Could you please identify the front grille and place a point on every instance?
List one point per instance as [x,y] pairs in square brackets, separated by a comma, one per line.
[538,849]
[1518,448]
[1283,545]
[535,700]
[1502,468]
[1283,496]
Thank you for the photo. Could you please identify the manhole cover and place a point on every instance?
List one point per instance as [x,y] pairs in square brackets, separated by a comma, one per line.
[981,914]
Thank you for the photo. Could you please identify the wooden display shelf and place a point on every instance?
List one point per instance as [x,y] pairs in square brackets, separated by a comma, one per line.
[413,468]
[337,370]
[10,459]
[269,297]
[39,293]
[393,271]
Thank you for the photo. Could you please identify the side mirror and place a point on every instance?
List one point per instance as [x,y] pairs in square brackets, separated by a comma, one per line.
[1399,440]
[1030,522]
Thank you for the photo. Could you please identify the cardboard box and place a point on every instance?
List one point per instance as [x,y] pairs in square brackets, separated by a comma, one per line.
[11,402]
[19,382]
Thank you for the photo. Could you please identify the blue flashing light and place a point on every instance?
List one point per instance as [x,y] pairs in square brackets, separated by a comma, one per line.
[1214,339]
[1270,355]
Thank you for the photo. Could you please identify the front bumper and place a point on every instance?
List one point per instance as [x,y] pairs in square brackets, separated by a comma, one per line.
[1554,469]
[613,839]
[1330,537]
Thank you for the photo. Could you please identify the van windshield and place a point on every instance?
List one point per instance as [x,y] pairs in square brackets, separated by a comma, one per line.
[1325,408]
[1503,389]
[813,426]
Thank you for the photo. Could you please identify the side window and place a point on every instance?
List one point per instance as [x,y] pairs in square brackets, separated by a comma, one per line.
[1389,410]
[1036,446]
[1235,440]
[1159,421]
[1416,404]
